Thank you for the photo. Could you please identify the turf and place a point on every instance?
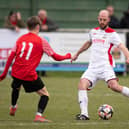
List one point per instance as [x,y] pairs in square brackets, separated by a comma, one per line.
[63,105]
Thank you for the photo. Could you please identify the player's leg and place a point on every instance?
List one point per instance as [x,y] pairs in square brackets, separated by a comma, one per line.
[16,84]
[114,85]
[112,82]
[14,96]
[87,82]
[44,97]
[38,87]
[83,99]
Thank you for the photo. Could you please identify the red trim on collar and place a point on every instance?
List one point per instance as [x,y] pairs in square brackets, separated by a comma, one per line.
[109,30]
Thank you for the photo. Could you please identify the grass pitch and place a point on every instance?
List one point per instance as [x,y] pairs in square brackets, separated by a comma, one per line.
[63,105]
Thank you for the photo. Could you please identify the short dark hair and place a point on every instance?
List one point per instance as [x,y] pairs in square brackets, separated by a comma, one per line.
[11,13]
[32,22]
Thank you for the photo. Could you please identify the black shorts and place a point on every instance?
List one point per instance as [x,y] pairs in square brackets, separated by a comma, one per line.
[29,86]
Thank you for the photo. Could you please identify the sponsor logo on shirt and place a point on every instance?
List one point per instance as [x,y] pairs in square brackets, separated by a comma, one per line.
[94,33]
[98,41]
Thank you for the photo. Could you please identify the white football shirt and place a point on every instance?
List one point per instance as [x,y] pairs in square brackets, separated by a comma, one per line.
[102,42]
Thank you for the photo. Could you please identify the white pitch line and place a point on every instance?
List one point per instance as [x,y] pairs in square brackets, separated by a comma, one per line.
[106,94]
[61,124]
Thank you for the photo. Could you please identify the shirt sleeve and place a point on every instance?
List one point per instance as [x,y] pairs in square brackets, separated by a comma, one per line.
[89,37]
[115,39]
[47,48]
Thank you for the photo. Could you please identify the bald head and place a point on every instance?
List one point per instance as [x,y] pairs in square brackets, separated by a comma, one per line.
[110,9]
[42,14]
[103,19]
[104,13]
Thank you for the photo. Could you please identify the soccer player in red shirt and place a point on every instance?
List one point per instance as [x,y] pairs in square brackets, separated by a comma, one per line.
[27,52]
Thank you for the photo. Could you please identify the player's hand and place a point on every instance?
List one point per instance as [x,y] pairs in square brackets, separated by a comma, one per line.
[18,15]
[68,56]
[2,76]
[17,29]
[44,27]
[73,58]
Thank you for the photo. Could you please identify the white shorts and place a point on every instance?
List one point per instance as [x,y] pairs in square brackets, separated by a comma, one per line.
[93,75]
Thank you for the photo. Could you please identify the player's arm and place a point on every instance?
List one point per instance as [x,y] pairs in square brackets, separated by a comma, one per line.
[84,47]
[50,52]
[8,63]
[58,57]
[125,51]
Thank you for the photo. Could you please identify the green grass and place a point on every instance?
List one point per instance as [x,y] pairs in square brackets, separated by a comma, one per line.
[63,105]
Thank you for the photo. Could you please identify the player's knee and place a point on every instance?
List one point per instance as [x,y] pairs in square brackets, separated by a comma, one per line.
[115,87]
[83,84]
[42,92]
[46,94]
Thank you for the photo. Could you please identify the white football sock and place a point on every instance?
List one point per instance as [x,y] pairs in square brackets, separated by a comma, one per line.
[83,101]
[125,91]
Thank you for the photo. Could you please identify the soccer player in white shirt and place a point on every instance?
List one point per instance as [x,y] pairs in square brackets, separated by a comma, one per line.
[101,40]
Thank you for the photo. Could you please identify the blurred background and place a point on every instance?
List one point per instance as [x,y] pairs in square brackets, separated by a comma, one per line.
[65,25]
[66,13]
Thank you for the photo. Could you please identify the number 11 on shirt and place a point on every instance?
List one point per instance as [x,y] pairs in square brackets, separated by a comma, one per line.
[29,50]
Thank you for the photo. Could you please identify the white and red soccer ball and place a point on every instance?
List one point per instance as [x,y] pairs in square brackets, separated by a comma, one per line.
[105,112]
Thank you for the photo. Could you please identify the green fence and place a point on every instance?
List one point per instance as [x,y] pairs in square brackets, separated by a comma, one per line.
[67,13]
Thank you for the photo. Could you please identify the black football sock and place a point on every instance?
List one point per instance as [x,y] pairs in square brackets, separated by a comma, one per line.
[15,95]
[42,103]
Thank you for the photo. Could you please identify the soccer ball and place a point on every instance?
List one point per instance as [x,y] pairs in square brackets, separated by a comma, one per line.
[105,112]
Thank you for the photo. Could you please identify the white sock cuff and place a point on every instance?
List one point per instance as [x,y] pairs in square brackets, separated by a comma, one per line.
[38,113]
[82,92]
[125,91]
[14,106]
